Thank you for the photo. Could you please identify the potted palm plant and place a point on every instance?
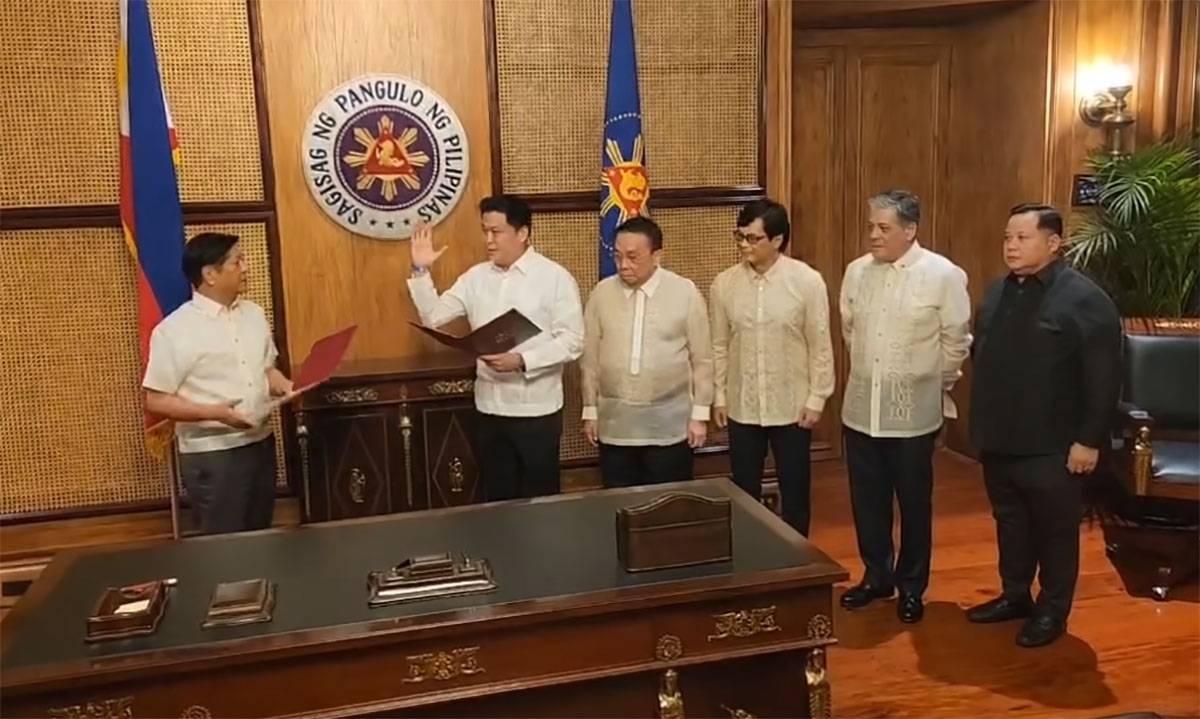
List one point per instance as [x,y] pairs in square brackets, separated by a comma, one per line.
[1141,242]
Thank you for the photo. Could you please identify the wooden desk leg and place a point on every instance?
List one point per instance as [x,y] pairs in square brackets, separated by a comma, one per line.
[817,680]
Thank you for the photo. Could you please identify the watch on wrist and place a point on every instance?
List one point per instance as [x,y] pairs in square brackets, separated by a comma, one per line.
[418,270]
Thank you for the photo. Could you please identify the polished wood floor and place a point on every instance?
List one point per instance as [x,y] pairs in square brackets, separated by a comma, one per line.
[1122,653]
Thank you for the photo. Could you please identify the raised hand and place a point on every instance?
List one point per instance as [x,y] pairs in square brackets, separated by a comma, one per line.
[421,247]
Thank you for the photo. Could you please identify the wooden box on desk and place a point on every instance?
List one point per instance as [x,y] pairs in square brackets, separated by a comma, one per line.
[386,436]
[677,529]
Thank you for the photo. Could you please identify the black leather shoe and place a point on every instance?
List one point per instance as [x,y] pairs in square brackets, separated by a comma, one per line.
[860,595]
[1001,609]
[1040,631]
[910,609]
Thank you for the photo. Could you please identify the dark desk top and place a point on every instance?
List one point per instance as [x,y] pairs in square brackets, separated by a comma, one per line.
[548,555]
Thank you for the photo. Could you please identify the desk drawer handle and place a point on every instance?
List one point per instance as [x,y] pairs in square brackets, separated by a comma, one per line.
[745,623]
[461,386]
[443,666]
[352,395]
[120,708]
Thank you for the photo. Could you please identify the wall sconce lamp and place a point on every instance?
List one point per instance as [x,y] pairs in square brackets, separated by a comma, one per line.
[1107,108]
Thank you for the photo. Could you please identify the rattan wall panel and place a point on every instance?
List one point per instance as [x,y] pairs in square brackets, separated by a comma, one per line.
[59,109]
[71,432]
[700,69]
[696,244]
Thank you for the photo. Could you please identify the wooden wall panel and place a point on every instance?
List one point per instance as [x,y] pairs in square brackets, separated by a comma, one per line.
[1083,34]
[778,101]
[997,156]
[331,277]
[898,118]
[817,211]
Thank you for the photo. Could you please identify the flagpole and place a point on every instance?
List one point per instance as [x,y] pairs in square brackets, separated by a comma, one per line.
[173,478]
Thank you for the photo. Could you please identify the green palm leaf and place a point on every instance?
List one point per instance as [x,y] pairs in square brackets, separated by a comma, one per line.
[1141,242]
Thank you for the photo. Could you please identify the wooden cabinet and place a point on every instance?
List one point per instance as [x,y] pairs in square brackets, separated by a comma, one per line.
[389,436]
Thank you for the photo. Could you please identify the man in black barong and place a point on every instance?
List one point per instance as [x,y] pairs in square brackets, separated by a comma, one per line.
[1047,356]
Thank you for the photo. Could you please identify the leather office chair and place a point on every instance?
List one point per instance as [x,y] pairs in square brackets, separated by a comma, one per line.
[1151,513]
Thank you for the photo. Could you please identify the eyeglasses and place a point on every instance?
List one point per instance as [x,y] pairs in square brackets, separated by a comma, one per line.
[739,237]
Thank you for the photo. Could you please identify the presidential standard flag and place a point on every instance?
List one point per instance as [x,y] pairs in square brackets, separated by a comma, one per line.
[624,184]
[151,216]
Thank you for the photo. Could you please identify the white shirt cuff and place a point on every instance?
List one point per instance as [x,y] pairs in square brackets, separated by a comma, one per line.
[949,408]
[815,403]
[589,413]
[700,413]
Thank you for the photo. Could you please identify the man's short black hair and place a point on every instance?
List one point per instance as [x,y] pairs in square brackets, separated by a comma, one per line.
[643,226]
[774,219]
[1048,218]
[206,250]
[515,210]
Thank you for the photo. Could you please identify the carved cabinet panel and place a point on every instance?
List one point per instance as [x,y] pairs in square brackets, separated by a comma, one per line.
[451,470]
[350,457]
[392,442]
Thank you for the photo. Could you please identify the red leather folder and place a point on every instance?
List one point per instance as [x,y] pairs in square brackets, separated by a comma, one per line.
[323,359]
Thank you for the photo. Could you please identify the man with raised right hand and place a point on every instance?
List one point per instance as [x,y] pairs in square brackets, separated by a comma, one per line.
[518,394]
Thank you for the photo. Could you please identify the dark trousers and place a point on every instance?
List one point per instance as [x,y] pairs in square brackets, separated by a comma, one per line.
[623,466]
[1038,505]
[231,490]
[880,468]
[518,456]
[790,444]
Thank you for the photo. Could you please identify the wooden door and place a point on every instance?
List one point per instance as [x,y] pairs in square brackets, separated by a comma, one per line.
[870,112]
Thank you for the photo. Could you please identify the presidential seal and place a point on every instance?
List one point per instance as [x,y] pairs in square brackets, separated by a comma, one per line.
[383,153]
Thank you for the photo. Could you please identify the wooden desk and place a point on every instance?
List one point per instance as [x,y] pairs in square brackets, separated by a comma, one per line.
[567,633]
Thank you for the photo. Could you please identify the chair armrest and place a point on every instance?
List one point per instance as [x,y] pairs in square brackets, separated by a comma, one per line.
[1136,427]
[1130,416]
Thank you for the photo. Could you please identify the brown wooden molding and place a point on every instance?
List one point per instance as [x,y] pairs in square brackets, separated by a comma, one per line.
[68,216]
[895,13]
[762,95]
[493,80]
[259,75]
[28,541]
[659,199]
[102,510]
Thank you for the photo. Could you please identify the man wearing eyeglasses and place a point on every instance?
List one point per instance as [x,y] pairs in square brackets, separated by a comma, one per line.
[646,371]
[772,358]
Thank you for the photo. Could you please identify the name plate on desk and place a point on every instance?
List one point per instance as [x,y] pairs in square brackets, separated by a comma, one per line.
[429,577]
[236,603]
[128,611]
[674,530]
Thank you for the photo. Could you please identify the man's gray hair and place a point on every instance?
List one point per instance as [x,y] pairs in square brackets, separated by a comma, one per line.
[906,204]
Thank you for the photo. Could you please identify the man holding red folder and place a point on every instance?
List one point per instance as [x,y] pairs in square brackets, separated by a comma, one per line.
[518,394]
[212,370]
